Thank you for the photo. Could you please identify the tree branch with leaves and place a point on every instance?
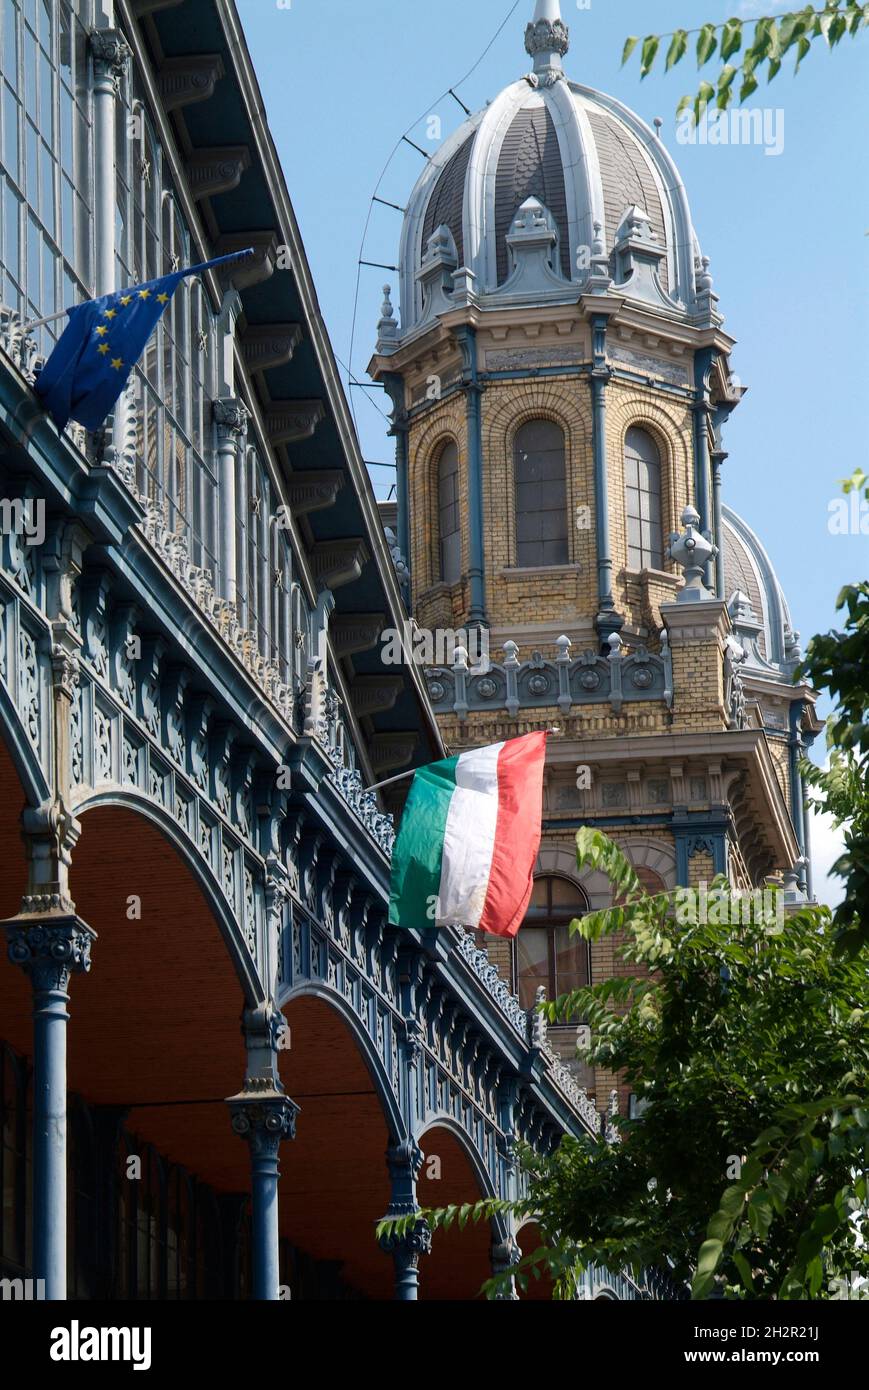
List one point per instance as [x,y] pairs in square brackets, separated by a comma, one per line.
[744,1036]
[758,46]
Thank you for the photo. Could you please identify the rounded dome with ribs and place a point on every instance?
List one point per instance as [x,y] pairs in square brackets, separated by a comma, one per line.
[606,200]
[757,603]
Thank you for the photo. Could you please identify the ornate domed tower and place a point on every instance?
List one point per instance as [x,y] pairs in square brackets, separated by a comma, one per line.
[560,375]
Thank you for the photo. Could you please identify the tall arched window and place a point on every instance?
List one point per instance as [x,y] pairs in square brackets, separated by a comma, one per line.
[541,495]
[448,514]
[546,953]
[643,501]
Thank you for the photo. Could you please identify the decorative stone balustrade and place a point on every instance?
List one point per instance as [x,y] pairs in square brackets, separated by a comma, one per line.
[619,678]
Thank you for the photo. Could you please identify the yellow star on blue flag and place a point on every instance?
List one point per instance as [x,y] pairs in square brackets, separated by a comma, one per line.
[81,380]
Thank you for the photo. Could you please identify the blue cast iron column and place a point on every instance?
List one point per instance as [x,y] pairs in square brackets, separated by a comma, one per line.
[264,1119]
[703,363]
[394,386]
[263,1114]
[718,458]
[467,339]
[405,1162]
[796,749]
[50,950]
[608,619]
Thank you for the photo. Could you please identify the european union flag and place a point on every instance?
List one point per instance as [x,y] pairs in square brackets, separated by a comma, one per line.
[100,346]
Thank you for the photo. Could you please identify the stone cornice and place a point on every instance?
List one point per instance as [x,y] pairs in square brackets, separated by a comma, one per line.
[338,562]
[270,345]
[355,632]
[182,81]
[747,748]
[391,751]
[375,694]
[216,170]
[313,491]
[289,421]
[254,269]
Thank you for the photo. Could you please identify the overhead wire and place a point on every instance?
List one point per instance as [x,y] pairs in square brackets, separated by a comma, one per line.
[403,138]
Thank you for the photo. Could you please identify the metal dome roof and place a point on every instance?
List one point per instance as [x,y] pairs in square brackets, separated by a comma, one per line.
[604,181]
[758,607]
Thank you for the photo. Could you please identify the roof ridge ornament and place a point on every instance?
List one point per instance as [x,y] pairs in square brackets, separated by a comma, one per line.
[547,39]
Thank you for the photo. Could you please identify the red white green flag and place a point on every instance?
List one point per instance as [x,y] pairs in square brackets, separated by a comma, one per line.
[469,838]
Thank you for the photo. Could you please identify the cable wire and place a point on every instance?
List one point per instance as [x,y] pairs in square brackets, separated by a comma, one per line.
[450,91]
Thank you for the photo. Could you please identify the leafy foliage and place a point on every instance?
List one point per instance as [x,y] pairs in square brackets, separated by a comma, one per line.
[746,1042]
[772,38]
[838,662]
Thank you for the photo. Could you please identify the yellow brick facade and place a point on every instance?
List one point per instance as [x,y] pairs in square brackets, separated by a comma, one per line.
[565,594]
[655,763]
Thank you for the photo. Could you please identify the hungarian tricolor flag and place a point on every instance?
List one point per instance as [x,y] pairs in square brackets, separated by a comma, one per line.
[469,839]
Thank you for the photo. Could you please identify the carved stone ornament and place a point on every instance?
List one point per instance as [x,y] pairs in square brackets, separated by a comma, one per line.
[547,36]
[231,417]
[111,55]
[51,952]
[410,1244]
[263,1120]
[65,669]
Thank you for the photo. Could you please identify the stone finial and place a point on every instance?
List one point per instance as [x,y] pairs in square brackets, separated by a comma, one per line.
[387,327]
[539,1030]
[435,276]
[398,559]
[740,608]
[532,242]
[546,41]
[692,550]
[707,299]
[599,279]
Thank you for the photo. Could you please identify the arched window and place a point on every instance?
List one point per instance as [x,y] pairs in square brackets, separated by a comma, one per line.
[643,501]
[448,514]
[541,495]
[546,953]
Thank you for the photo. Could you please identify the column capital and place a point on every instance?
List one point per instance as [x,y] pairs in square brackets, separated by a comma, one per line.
[231,417]
[65,667]
[111,55]
[404,1161]
[264,1117]
[409,1245]
[50,949]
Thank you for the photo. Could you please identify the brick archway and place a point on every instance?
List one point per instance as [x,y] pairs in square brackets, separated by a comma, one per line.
[334,1184]
[460,1261]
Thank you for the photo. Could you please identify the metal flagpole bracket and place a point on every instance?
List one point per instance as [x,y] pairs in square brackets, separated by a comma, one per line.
[389,781]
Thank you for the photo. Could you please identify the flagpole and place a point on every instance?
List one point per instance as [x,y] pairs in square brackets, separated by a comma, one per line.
[389,781]
[40,323]
[411,771]
[191,270]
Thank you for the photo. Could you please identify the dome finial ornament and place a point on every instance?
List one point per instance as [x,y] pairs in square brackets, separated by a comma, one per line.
[546,41]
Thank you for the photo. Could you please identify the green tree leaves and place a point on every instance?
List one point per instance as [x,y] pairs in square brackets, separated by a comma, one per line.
[746,1175]
[706,44]
[649,51]
[838,662]
[678,48]
[771,39]
[731,38]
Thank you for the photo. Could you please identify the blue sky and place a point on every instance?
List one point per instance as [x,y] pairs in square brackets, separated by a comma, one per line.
[786,234]
[343,79]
